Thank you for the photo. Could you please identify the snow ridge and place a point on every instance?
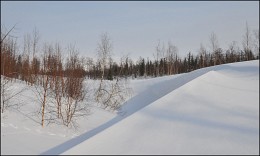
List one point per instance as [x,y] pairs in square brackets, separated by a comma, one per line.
[146,97]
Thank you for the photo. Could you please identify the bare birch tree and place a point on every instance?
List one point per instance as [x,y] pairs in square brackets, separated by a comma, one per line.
[247,43]
[35,62]
[157,56]
[43,91]
[111,94]
[214,47]
[171,57]
[256,42]
[104,53]
[202,53]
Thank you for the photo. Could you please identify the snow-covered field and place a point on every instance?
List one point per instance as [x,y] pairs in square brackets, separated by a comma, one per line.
[214,110]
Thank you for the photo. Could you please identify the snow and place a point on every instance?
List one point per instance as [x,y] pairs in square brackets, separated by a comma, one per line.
[214,110]
[21,132]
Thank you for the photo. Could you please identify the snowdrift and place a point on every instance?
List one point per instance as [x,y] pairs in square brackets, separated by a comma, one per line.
[214,110]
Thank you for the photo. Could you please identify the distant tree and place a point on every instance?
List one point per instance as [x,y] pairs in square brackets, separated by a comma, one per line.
[27,47]
[218,56]
[189,62]
[202,53]
[256,43]
[214,47]
[185,65]
[157,55]
[35,63]
[141,66]
[247,43]
[171,56]
[232,52]
[110,73]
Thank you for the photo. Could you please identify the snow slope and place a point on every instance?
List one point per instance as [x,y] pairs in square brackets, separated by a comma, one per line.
[209,111]
[214,110]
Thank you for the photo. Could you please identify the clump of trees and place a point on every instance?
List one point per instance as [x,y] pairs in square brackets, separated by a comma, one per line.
[57,84]
[60,89]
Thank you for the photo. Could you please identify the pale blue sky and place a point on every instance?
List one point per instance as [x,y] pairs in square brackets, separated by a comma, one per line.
[134,27]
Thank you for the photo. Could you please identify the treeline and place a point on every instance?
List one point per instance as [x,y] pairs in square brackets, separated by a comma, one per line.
[166,60]
[27,66]
[172,64]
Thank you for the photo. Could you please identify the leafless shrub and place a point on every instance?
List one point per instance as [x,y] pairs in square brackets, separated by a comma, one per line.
[74,91]
[115,93]
[111,94]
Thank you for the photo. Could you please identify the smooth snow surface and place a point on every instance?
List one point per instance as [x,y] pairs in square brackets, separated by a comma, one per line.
[214,110]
